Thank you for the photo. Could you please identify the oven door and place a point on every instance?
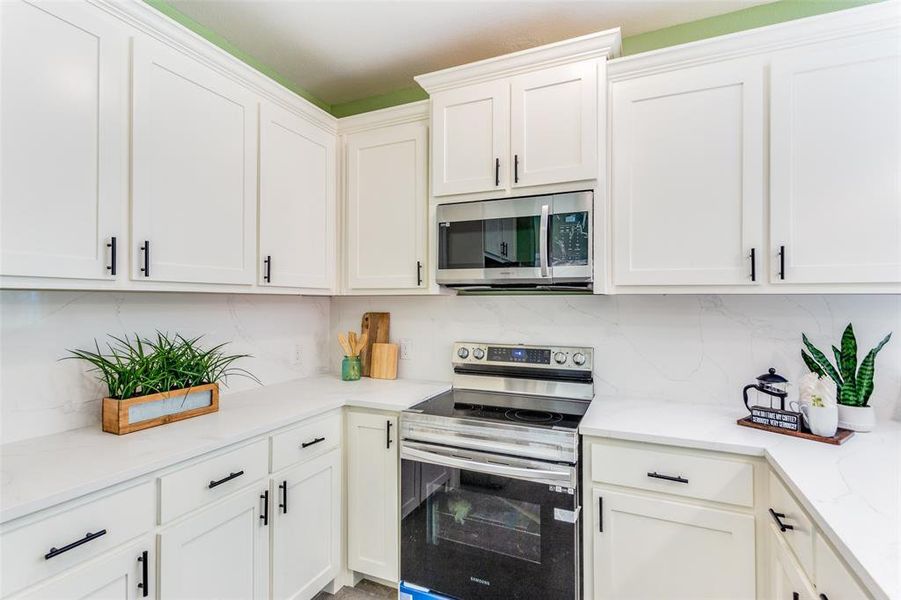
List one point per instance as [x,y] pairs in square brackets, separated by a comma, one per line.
[478,525]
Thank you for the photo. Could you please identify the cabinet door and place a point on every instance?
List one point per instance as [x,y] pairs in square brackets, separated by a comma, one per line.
[687,155]
[297,202]
[656,549]
[220,552]
[554,124]
[307,527]
[372,496]
[834,164]
[194,175]
[787,578]
[833,579]
[387,206]
[470,128]
[120,576]
[63,77]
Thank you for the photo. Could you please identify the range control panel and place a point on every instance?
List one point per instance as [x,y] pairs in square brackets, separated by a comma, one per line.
[550,357]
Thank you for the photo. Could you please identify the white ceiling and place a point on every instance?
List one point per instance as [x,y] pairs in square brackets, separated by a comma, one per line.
[344,50]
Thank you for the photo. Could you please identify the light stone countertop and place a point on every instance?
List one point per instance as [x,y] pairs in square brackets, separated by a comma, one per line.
[852,492]
[41,472]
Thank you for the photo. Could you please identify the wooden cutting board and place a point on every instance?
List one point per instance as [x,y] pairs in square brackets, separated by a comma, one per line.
[376,324]
[384,361]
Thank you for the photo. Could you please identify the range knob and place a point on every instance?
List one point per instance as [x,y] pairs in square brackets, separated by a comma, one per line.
[463,353]
[559,358]
[579,358]
[478,353]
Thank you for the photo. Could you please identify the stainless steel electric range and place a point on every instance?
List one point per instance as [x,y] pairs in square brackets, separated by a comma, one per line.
[490,476]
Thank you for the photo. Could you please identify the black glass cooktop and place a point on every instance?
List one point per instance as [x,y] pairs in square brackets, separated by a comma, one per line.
[534,411]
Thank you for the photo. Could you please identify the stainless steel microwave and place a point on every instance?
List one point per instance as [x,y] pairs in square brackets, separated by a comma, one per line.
[534,241]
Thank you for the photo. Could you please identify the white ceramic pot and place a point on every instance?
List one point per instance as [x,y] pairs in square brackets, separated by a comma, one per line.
[856,418]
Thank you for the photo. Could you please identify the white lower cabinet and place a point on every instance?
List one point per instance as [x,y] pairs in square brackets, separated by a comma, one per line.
[306,527]
[373,519]
[657,548]
[787,578]
[833,579]
[219,552]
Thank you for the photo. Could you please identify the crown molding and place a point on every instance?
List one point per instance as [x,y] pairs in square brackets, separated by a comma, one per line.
[603,44]
[834,26]
[394,115]
[147,20]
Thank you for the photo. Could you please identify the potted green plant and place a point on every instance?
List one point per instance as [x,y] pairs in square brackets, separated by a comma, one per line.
[854,382]
[156,381]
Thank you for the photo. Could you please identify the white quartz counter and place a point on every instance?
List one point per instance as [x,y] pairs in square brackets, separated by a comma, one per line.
[853,491]
[41,472]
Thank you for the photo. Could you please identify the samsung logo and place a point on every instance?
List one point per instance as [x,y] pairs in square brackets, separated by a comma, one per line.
[479,581]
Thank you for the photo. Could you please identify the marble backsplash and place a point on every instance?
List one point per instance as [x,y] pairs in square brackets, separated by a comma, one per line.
[680,348]
[41,395]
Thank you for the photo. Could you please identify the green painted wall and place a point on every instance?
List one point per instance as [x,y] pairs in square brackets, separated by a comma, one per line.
[749,18]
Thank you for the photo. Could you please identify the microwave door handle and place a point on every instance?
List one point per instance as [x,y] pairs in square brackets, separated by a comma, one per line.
[542,240]
[483,467]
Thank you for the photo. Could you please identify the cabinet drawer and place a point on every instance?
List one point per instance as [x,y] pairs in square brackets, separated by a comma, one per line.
[658,470]
[308,440]
[785,512]
[216,477]
[69,536]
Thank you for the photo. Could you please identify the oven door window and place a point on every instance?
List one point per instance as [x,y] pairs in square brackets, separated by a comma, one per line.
[473,535]
[569,239]
[490,243]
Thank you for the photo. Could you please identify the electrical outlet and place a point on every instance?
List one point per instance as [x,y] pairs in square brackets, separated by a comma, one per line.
[406,349]
[297,358]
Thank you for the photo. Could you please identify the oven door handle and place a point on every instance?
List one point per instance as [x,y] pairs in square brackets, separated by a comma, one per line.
[485,467]
[542,240]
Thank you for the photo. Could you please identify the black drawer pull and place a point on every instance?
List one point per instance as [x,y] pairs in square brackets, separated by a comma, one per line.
[146,250]
[601,514]
[778,518]
[388,436]
[112,255]
[753,258]
[497,172]
[678,479]
[143,585]
[782,267]
[308,444]
[283,486]
[87,538]
[265,516]
[824,597]
[226,479]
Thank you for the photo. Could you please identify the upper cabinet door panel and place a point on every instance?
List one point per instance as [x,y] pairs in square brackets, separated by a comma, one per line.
[835,164]
[470,133]
[687,172]
[297,202]
[63,78]
[194,173]
[554,131]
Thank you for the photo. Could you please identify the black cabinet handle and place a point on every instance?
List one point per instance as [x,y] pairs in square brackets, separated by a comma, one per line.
[388,435]
[782,262]
[225,479]
[778,518]
[497,172]
[418,272]
[112,255]
[308,444]
[678,479]
[753,264]
[143,585]
[265,516]
[516,168]
[601,514]
[87,538]
[824,597]
[146,250]
[267,269]
[796,596]
[283,486]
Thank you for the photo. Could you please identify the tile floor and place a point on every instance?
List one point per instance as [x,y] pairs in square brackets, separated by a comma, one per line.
[365,590]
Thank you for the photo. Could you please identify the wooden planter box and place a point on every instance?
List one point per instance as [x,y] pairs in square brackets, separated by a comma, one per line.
[133,414]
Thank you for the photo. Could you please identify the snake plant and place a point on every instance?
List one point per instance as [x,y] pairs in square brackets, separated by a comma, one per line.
[854,383]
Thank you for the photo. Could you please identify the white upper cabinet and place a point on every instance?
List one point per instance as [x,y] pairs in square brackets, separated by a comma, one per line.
[835,161]
[194,171]
[554,124]
[63,78]
[386,207]
[297,202]
[469,148]
[687,176]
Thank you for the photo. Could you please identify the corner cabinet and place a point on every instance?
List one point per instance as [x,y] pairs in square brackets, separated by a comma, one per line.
[194,170]
[63,87]
[386,208]
[373,517]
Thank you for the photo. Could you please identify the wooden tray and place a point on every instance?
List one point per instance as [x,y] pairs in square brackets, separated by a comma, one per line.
[841,436]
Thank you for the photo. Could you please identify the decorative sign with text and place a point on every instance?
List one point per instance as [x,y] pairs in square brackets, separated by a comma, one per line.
[772,417]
